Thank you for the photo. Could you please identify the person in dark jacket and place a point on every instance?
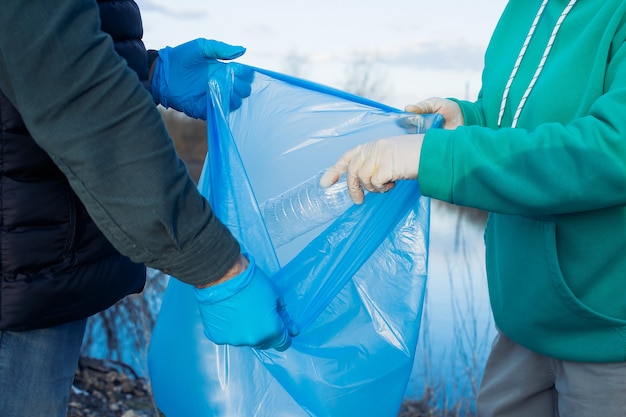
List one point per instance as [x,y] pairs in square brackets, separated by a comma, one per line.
[78,222]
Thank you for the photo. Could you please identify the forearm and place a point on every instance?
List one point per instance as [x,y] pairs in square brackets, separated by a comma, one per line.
[87,110]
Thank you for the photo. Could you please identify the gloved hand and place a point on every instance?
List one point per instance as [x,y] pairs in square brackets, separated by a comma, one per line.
[182,74]
[246,311]
[450,110]
[376,165]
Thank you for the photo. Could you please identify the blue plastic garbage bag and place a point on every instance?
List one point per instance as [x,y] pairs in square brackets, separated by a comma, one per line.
[354,284]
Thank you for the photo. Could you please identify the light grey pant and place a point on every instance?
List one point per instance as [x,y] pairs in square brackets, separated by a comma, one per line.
[520,383]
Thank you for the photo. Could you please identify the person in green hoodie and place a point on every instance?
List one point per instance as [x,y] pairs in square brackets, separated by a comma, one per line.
[543,150]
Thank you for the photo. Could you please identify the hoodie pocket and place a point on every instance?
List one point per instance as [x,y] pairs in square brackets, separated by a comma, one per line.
[531,301]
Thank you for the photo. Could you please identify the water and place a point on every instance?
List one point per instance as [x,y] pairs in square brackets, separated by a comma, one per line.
[457,326]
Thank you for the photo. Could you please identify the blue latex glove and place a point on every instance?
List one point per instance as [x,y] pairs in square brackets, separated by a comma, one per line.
[182,74]
[246,311]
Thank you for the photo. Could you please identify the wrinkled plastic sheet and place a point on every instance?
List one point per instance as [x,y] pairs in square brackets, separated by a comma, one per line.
[354,285]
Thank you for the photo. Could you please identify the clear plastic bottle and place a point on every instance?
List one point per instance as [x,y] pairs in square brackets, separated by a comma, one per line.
[303,208]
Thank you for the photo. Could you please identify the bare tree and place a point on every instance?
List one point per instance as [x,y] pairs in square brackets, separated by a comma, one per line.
[296,65]
[122,332]
[365,79]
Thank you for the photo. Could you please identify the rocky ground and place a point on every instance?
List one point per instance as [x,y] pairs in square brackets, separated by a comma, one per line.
[110,389]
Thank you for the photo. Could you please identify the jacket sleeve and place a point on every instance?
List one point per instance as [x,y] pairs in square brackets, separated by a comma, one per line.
[553,169]
[88,111]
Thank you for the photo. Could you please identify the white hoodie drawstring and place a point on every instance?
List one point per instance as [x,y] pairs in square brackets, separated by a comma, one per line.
[522,52]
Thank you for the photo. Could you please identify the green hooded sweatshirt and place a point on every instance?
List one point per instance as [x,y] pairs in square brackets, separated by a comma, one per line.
[555,184]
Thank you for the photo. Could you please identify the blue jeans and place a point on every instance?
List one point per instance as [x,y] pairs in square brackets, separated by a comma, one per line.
[37,370]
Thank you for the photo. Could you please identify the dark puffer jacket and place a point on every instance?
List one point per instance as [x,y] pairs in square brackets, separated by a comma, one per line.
[56,265]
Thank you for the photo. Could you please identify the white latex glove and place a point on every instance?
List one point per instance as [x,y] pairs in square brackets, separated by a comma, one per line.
[377,165]
[450,110]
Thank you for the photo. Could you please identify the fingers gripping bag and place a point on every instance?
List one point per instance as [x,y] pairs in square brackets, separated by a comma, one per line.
[353,276]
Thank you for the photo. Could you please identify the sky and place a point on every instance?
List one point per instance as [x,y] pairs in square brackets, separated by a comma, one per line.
[411,49]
